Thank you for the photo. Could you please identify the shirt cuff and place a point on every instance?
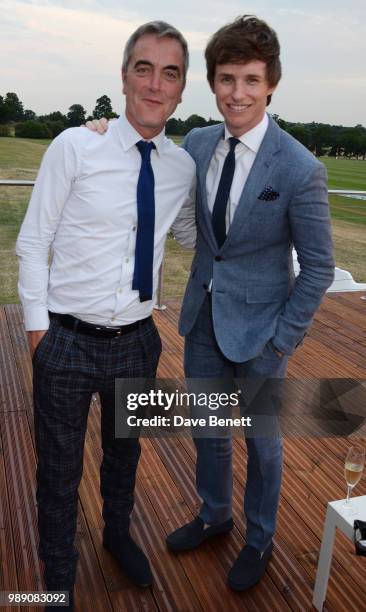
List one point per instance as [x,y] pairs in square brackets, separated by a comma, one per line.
[36,319]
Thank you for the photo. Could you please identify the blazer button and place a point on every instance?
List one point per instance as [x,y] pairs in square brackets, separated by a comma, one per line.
[218,258]
[205,286]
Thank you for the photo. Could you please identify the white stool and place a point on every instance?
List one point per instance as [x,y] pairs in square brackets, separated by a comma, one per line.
[335,517]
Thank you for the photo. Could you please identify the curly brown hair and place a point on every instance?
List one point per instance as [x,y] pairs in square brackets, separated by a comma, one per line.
[245,39]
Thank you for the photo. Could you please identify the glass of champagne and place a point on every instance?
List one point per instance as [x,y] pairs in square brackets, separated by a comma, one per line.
[353,468]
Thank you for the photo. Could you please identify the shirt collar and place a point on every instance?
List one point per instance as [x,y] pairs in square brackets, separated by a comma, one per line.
[129,136]
[253,138]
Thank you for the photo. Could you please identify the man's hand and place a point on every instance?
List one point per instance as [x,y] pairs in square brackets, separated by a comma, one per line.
[34,338]
[97,125]
[279,353]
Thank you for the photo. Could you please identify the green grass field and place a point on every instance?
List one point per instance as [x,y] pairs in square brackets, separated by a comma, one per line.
[345,173]
[20,159]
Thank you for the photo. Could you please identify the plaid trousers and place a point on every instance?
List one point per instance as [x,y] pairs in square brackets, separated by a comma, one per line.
[68,367]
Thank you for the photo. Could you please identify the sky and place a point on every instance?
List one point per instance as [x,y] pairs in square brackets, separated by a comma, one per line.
[56,53]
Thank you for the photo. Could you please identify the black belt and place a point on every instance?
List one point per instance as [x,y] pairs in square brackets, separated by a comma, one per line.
[98,331]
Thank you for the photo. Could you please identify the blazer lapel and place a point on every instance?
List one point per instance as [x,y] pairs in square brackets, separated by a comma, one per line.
[208,150]
[257,179]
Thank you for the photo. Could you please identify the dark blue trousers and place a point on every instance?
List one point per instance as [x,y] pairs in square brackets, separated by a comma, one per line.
[214,478]
[68,367]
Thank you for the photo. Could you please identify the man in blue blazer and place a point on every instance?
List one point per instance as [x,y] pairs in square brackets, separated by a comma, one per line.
[260,192]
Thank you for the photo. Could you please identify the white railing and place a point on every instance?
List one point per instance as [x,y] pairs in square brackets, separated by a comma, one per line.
[343,280]
[21,183]
[16,183]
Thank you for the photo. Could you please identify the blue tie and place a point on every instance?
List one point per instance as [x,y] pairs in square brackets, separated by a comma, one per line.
[144,252]
[223,192]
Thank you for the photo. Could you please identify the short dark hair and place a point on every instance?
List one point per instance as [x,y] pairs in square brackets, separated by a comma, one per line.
[160,29]
[245,39]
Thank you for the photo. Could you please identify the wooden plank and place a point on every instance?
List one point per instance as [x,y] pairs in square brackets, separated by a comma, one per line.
[14,319]
[353,300]
[311,511]
[8,571]
[19,463]
[10,394]
[345,321]
[316,358]
[320,470]
[348,306]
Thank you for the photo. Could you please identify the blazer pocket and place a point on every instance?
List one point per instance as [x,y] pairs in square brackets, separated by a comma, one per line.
[267,294]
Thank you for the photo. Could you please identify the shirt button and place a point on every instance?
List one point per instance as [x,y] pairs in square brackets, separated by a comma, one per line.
[134,228]
[119,289]
[127,259]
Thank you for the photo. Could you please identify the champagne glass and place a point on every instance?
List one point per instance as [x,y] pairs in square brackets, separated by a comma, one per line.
[353,467]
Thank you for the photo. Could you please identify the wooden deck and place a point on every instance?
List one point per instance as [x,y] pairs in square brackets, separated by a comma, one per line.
[166,498]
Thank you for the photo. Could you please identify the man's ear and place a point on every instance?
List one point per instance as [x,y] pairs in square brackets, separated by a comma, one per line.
[123,76]
[181,93]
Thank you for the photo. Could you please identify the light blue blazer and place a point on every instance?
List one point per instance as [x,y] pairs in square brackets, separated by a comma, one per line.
[255,296]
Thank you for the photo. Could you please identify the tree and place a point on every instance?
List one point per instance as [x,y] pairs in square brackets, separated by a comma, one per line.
[103,108]
[363,145]
[2,110]
[194,121]
[11,108]
[32,129]
[174,127]
[76,115]
[321,138]
[29,115]
[56,127]
[54,116]
[281,122]
[301,134]
[15,106]
[213,121]
[351,140]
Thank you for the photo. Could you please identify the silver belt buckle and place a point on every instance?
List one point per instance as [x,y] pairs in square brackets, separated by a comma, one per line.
[118,332]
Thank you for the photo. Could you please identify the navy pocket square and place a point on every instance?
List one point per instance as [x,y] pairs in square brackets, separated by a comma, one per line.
[268,194]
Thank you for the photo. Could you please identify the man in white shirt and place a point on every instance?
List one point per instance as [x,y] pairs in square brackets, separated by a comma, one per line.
[102,208]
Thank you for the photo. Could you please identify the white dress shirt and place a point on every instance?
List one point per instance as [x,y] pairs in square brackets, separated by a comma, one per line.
[83,212]
[245,153]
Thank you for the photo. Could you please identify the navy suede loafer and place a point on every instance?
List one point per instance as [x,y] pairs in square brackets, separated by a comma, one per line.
[132,560]
[249,567]
[193,534]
